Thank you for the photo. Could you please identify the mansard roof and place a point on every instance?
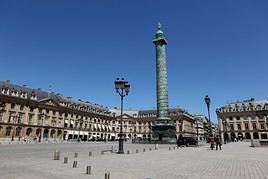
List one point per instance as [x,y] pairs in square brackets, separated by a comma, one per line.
[244,105]
[44,95]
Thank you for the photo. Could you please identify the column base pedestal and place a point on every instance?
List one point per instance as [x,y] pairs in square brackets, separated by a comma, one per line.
[164,133]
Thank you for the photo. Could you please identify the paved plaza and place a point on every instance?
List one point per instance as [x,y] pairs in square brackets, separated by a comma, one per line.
[236,160]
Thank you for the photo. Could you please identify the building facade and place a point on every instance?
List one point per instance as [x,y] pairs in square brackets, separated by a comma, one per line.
[34,115]
[244,120]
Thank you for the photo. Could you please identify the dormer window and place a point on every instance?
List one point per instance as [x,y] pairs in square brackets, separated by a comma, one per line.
[33,97]
[5,91]
[23,95]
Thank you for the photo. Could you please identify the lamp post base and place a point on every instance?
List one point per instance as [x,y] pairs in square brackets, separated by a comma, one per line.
[121,146]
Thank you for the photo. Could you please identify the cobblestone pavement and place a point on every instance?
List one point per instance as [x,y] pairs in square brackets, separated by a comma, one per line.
[235,160]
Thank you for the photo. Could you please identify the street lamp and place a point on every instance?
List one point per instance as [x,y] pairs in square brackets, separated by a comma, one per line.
[207,100]
[122,88]
[80,125]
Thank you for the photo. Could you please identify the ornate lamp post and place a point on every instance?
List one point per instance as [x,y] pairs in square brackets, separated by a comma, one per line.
[207,100]
[122,88]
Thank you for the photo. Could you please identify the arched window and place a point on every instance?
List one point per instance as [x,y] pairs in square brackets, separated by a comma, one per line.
[8,131]
[18,129]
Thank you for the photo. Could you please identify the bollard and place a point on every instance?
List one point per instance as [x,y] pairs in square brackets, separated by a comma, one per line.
[150,149]
[128,152]
[102,152]
[174,148]
[107,175]
[75,155]
[90,154]
[57,154]
[112,149]
[65,160]
[75,164]
[144,150]
[156,146]
[88,170]
[169,148]
[137,150]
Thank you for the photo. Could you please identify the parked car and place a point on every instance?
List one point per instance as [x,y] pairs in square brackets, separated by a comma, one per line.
[186,141]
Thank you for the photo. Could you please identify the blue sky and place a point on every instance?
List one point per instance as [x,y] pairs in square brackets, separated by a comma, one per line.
[219,48]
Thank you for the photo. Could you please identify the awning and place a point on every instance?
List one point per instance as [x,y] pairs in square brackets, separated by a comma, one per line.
[113,135]
[95,126]
[72,122]
[66,120]
[139,135]
[99,126]
[103,127]
[110,128]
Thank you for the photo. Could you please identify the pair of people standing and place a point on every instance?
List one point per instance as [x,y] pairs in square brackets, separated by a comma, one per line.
[216,140]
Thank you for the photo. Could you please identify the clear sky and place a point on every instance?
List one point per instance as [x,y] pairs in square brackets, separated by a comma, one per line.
[216,48]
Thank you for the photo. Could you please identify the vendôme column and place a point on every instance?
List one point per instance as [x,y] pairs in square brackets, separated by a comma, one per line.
[163,128]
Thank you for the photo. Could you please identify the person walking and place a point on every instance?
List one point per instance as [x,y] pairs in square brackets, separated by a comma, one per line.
[218,142]
[212,142]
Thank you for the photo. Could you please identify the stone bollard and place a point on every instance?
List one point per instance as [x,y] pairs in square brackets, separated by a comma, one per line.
[75,164]
[112,149]
[88,170]
[144,150]
[65,160]
[169,148]
[156,146]
[174,148]
[128,152]
[107,175]
[90,154]
[150,149]
[137,150]
[57,154]
[75,155]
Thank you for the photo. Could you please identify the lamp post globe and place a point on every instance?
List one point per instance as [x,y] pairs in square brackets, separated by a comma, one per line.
[122,88]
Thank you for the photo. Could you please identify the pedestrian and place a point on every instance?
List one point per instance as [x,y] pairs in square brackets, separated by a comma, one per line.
[212,141]
[218,142]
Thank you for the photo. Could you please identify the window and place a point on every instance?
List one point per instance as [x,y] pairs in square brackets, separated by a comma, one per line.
[254,126]
[246,126]
[18,129]
[237,118]
[239,126]
[232,126]
[262,126]
[230,118]
[8,131]
[31,109]
[30,119]
[4,90]
[13,106]
[21,107]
